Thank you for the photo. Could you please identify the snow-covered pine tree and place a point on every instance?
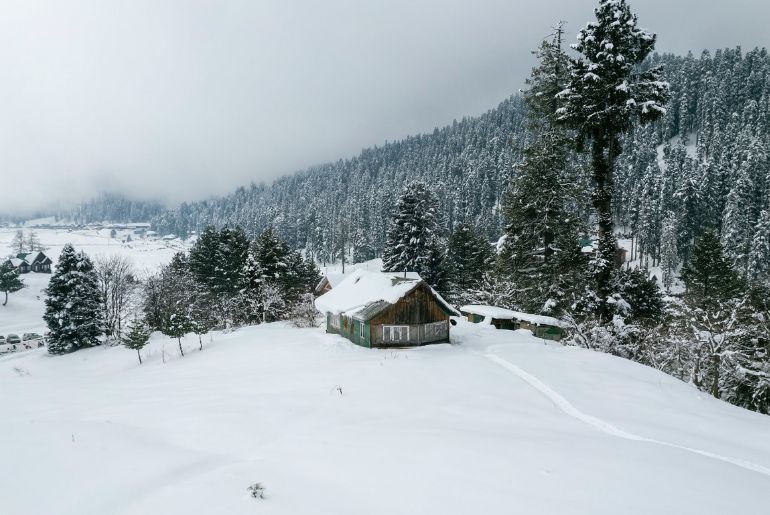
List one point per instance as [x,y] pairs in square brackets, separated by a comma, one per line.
[737,225]
[669,254]
[759,255]
[469,257]
[203,258]
[414,242]
[606,93]
[709,276]
[72,305]
[137,337]
[9,279]
[541,232]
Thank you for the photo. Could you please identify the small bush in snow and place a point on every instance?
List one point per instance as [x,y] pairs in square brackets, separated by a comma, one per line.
[257,491]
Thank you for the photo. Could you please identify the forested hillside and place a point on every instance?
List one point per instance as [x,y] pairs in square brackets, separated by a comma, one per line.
[719,108]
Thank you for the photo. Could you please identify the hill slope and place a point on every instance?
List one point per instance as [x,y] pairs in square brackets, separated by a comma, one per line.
[499,422]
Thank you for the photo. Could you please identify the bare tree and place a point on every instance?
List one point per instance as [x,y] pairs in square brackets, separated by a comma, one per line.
[270,298]
[117,284]
[17,245]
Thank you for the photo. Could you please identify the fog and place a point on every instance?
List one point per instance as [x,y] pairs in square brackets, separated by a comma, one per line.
[187,99]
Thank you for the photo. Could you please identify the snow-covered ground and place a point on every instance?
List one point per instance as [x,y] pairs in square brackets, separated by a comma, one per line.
[497,422]
[25,308]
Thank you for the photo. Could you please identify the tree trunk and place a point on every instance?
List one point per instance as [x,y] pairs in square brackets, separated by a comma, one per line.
[6,298]
[139,354]
[179,340]
[200,341]
[715,381]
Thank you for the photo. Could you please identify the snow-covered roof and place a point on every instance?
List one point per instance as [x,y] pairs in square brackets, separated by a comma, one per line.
[334,278]
[17,262]
[360,289]
[507,314]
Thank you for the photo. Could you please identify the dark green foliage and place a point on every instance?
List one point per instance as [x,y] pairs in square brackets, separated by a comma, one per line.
[540,256]
[203,258]
[606,94]
[137,337]
[469,257]
[638,296]
[9,280]
[415,236]
[708,275]
[73,313]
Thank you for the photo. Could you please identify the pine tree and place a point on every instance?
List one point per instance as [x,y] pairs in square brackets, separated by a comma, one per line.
[708,275]
[414,238]
[737,226]
[137,337]
[759,256]
[9,279]
[541,233]
[669,258]
[606,93]
[468,259]
[203,258]
[73,313]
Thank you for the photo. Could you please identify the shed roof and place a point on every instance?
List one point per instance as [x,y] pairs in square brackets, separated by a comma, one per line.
[507,314]
[362,294]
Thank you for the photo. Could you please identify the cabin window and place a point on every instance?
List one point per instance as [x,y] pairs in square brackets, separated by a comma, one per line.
[362,330]
[335,320]
[437,330]
[395,333]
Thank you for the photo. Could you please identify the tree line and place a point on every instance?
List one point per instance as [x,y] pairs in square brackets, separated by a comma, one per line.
[224,281]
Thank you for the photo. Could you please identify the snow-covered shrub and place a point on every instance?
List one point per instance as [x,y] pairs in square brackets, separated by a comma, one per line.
[257,491]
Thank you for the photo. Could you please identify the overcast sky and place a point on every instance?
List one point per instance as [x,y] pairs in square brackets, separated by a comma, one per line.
[187,99]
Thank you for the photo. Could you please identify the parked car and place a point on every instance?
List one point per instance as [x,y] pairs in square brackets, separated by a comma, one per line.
[31,336]
[2,339]
[13,339]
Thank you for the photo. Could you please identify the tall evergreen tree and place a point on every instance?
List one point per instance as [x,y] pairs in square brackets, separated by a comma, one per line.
[708,275]
[414,242]
[605,95]
[72,305]
[9,279]
[759,255]
[468,258]
[540,246]
[669,258]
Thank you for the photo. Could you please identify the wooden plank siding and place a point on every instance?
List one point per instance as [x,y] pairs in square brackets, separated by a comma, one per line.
[417,310]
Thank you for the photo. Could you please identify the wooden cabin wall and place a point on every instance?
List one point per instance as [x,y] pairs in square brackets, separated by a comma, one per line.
[418,307]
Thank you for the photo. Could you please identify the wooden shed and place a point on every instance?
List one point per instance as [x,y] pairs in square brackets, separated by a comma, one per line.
[548,328]
[375,309]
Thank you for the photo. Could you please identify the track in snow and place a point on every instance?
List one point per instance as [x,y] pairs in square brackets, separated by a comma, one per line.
[605,427]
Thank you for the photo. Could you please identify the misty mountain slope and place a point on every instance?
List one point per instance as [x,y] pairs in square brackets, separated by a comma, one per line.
[722,100]
[499,422]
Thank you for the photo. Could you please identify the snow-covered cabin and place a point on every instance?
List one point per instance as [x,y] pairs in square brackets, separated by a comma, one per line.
[545,327]
[39,263]
[377,309]
[20,264]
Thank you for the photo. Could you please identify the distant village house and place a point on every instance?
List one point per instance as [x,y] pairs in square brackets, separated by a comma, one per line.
[26,262]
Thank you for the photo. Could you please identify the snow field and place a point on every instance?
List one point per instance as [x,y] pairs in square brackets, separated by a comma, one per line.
[498,422]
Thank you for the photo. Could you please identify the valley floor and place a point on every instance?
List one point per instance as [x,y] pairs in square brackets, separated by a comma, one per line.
[497,422]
